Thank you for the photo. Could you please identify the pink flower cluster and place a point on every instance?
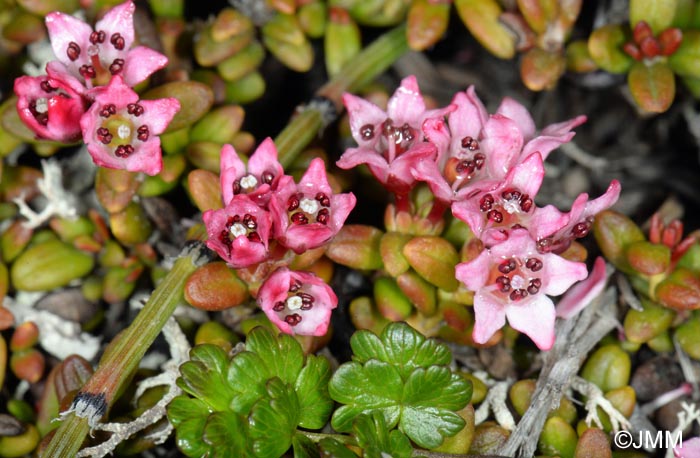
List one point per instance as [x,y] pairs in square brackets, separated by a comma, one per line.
[87,93]
[264,207]
[488,169]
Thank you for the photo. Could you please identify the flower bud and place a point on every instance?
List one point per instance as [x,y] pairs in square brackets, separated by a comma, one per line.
[28,364]
[215,287]
[391,249]
[48,265]
[608,367]
[391,301]
[244,62]
[557,438]
[434,258]
[285,39]
[421,293]
[26,335]
[426,23]
[605,48]
[342,40]
[482,19]
[643,325]
[356,246]
[593,442]
[312,18]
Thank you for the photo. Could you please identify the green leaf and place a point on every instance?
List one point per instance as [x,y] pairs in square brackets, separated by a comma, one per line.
[657,13]
[274,419]
[227,433]
[400,345]
[428,411]
[282,355]
[247,374]
[333,448]
[304,447]
[374,437]
[184,408]
[203,376]
[315,404]
[189,437]
[653,86]
[376,386]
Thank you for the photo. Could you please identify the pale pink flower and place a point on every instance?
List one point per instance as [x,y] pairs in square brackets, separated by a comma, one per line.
[297,302]
[688,449]
[257,179]
[51,107]
[390,142]
[121,131]
[239,232]
[512,279]
[93,56]
[308,214]
[583,293]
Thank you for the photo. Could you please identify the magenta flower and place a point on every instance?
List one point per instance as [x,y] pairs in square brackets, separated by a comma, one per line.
[257,179]
[239,232]
[390,142]
[121,131]
[297,302]
[476,151]
[51,107]
[94,56]
[513,280]
[554,231]
[492,213]
[308,214]
[687,449]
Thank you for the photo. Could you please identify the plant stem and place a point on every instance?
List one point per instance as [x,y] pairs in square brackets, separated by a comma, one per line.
[359,71]
[123,355]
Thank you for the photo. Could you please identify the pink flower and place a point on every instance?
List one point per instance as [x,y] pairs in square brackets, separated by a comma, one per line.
[555,231]
[390,142]
[94,56]
[492,213]
[581,294]
[257,179]
[239,232]
[307,215]
[51,107]
[121,131]
[513,280]
[476,151]
[297,302]
[688,449]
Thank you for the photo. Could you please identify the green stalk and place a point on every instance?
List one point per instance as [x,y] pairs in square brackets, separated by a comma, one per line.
[123,355]
[360,70]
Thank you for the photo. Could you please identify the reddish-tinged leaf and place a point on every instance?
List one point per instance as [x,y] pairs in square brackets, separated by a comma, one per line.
[204,190]
[653,86]
[540,70]
[481,18]
[427,22]
[605,44]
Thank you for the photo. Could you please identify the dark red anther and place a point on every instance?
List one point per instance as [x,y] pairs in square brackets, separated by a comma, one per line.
[278,307]
[407,133]
[299,218]
[134,109]
[294,285]
[581,229]
[250,221]
[103,135]
[292,203]
[124,151]
[97,37]
[142,133]
[323,216]
[518,294]
[323,199]
[87,71]
[254,237]
[534,286]
[307,301]
[503,283]
[73,51]
[293,319]
[495,216]
[470,143]
[267,177]
[236,187]
[534,264]
[388,128]
[486,203]
[526,203]
[479,160]
[108,110]
[117,41]
[117,66]
[367,132]
[465,166]
[507,266]
[46,86]
[511,194]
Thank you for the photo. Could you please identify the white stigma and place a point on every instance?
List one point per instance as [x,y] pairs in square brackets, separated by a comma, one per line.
[93,50]
[42,105]
[249,182]
[238,229]
[294,303]
[123,131]
[309,206]
[517,282]
[511,206]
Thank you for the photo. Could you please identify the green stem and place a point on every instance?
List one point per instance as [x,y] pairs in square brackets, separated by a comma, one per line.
[360,70]
[123,355]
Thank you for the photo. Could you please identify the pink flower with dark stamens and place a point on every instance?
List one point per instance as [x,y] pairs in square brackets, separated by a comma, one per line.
[492,213]
[239,232]
[308,214]
[512,279]
[297,302]
[257,179]
[390,142]
[556,238]
[51,107]
[93,56]
[121,131]
[476,151]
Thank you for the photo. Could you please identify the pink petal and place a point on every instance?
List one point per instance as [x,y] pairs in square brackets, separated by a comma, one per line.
[140,63]
[605,201]
[502,144]
[428,171]
[406,105]
[519,114]
[315,178]
[545,221]
[265,160]
[469,212]
[559,274]
[466,120]
[519,243]
[534,318]
[341,205]
[64,29]
[159,112]
[527,176]
[119,19]
[353,157]
[401,167]
[563,128]
[362,113]
[688,449]
[437,133]
[581,294]
[474,273]
[231,169]
[305,237]
[489,317]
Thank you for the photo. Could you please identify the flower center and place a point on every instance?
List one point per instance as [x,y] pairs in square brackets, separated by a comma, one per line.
[395,140]
[303,210]
[240,226]
[249,182]
[464,164]
[297,300]
[98,69]
[117,128]
[515,279]
[507,208]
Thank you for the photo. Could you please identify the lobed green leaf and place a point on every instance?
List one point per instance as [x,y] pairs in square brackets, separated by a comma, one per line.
[274,419]
[374,437]
[281,354]
[315,404]
[228,435]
